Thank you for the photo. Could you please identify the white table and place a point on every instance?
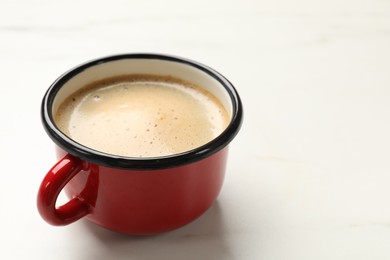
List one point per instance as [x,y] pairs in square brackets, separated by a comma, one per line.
[309,173]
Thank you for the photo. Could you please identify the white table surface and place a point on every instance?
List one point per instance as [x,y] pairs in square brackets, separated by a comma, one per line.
[309,173]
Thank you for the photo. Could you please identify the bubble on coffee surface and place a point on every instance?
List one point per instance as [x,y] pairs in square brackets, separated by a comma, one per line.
[142,118]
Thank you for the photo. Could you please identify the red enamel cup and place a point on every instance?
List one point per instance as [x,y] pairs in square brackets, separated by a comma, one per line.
[135,195]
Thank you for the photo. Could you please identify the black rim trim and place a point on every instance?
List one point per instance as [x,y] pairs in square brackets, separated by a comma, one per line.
[122,162]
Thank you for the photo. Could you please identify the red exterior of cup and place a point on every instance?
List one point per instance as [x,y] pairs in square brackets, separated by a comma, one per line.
[148,201]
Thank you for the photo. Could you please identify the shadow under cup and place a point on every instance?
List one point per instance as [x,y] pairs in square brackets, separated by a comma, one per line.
[135,195]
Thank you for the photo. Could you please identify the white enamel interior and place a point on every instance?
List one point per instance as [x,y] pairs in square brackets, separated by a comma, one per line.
[144,66]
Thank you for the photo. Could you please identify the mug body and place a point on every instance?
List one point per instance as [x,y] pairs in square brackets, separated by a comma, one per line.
[148,201]
[129,194]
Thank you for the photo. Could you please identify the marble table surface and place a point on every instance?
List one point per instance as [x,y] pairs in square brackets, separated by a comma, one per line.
[309,173]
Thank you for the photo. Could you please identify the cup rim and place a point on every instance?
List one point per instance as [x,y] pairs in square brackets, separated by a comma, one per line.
[140,163]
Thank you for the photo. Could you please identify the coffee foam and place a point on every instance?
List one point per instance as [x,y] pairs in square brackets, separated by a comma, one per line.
[142,116]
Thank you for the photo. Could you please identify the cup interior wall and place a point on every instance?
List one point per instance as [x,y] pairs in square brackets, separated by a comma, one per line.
[144,66]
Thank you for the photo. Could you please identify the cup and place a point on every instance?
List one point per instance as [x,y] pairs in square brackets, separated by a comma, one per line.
[127,194]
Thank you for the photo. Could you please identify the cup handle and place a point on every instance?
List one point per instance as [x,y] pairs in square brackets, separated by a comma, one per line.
[55,180]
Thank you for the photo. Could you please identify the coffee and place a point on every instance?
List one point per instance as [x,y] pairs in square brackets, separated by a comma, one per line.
[142,116]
